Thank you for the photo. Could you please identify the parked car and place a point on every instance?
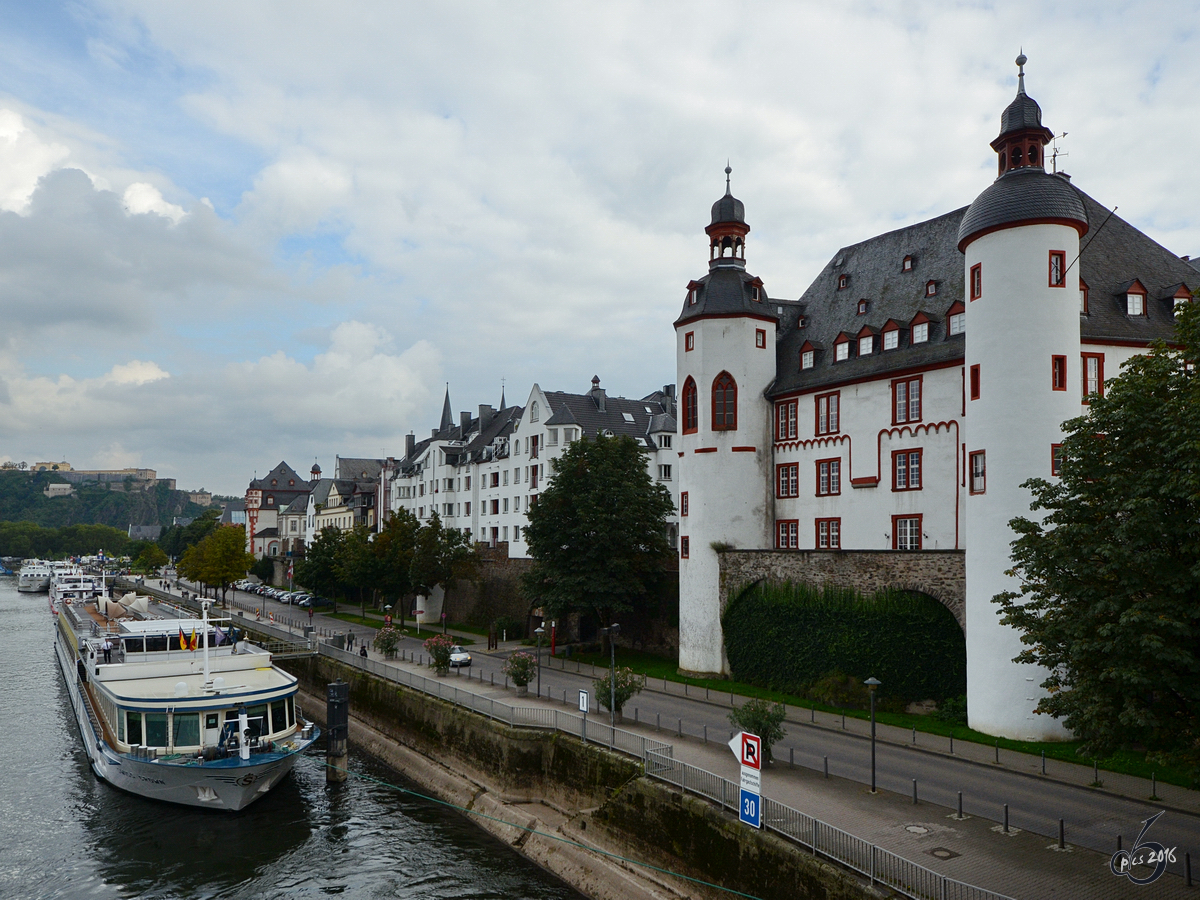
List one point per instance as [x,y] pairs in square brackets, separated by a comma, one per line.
[459,657]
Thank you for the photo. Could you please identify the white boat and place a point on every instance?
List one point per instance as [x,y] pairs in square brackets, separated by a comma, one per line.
[215,727]
[34,576]
[72,583]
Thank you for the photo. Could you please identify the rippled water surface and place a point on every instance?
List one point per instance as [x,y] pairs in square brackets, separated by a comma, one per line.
[63,833]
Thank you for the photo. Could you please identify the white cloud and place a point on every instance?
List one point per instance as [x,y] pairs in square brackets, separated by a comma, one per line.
[24,158]
[135,372]
[141,198]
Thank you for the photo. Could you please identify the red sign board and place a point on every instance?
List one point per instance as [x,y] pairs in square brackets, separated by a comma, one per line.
[751,755]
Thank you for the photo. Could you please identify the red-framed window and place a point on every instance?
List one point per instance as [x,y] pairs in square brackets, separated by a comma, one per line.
[975,382]
[829,477]
[829,534]
[906,532]
[976,281]
[906,264]
[495,507]
[683,503]
[1056,458]
[828,413]
[787,534]
[785,420]
[787,480]
[863,306]
[691,407]
[760,338]
[978,472]
[906,400]
[930,288]
[906,470]
[685,547]
[1058,269]
[689,341]
[1093,375]
[1083,297]
[724,403]
[1058,373]
[843,282]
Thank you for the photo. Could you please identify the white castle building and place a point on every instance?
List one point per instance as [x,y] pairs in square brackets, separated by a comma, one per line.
[902,400]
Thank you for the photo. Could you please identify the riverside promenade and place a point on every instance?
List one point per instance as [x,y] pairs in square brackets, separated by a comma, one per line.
[1022,864]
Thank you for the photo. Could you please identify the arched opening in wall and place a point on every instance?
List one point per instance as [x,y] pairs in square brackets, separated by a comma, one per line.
[822,642]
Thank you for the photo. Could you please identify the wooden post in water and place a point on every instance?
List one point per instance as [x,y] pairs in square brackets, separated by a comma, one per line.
[337,734]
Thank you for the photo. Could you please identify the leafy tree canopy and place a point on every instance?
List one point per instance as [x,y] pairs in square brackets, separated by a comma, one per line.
[219,559]
[319,571]
[1110,596]
[394,546]
[597,533]
[439,556]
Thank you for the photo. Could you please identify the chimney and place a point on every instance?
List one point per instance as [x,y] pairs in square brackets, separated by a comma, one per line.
[464,422]
[597,393]
[410,444]
[485,415]
[433,432]
[669,390]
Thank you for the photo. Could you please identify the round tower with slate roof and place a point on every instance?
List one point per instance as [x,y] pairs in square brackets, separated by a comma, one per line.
[725,357]
[1020,239]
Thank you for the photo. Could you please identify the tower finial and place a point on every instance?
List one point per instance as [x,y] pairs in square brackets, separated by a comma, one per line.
[1021,60]
[728,171]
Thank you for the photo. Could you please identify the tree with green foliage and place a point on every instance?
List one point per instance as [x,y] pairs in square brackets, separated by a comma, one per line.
[218,560]
[358,566]
[177,538]
[440,556]
[597,533]
[762,718]
[394,546]
[319,570]
[1110,571]
[149,559]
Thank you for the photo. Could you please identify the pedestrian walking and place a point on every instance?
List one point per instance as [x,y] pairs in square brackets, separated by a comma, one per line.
[107,647]
[362,651]
[349,640]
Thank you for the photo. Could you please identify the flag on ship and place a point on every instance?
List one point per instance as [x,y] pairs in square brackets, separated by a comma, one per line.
[192,639]
[219,635]
[182,639]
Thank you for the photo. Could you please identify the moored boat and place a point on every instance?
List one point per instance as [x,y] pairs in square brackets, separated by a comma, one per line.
[34,576]
[179,709]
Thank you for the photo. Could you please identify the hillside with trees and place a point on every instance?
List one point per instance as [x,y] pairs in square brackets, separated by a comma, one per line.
[22,499]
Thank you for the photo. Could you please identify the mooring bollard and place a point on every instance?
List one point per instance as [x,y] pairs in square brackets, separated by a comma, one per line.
[827,767]
[1062,834]
[337,719]
[960,815]
[1043,762]
[1006,818]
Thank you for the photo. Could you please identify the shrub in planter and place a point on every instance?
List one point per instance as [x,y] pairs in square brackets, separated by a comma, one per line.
[520,668]
[763,718]
[628,684]
[438,648]
[386,640]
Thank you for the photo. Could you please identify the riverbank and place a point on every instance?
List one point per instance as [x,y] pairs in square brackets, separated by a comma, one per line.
[579,811]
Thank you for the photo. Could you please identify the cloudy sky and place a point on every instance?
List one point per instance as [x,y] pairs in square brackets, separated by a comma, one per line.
[234,233]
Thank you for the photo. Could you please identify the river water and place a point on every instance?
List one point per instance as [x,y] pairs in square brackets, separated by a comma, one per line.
[64,833]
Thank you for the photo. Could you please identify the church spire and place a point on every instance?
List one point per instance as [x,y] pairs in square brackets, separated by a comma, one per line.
[447,415]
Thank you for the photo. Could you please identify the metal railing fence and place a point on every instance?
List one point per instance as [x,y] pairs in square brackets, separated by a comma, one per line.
[879,865]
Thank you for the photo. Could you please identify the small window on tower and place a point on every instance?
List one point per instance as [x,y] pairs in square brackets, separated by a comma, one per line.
[755,293]
[976,281]
[1083,297]
[689,341]
[1058,268]
[760,338]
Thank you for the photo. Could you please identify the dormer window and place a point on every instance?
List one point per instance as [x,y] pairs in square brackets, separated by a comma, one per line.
[807,359]
[866,345]
[930,288]
[956,320]
[920,329]
[800,322]
[863,306]
[841,350]
[1083,297]
[891,336]
[1181,298]
[755,293]
[843,282]
[1135,304]
[907,264]
[691,297]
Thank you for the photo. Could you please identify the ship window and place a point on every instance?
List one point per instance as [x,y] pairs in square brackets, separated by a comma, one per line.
[291,712]
[134,645]
[134,727]
[257,719]
[156,730]
[278,717]
[187,730]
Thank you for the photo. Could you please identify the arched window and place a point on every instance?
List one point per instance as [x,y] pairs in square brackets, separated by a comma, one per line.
[724,403]
[533,411]
[691,407]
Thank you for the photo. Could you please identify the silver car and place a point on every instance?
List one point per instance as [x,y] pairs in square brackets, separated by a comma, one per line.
[459,657]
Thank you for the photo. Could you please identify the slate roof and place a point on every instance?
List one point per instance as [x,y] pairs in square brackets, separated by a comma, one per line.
[584,411]
[874,270]
[281,474]
[357,468]
[1022,195]
[320,493]
[728,209]
[727,290]
[1113,254]
[299,506]
[1022,113]
[145,532]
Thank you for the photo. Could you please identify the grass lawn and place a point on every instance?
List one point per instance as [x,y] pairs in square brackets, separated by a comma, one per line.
[374,619]
[1127,762]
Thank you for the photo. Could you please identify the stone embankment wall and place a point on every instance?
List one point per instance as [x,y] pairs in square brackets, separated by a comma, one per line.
[939,573]
[554,784]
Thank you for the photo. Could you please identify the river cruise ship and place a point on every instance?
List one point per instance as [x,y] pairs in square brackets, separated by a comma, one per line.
[34,576]
[178,709]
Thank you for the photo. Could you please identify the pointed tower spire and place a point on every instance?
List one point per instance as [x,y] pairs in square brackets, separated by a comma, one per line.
[503,405]
[728,172]
[1021,60]
[447,415]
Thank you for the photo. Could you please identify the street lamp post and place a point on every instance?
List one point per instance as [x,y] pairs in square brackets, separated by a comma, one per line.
[871,684]
[613,630]
[539,631]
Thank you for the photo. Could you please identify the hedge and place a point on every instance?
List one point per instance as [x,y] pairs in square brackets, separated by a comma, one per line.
[787,637]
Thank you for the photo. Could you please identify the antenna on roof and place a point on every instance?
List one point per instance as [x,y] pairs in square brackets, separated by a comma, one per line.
[1056,153]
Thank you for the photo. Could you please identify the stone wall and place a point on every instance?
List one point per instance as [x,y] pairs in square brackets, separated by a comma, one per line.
[939,573]
[556,787]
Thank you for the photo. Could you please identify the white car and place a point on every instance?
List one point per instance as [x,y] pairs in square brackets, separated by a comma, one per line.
[459,657]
